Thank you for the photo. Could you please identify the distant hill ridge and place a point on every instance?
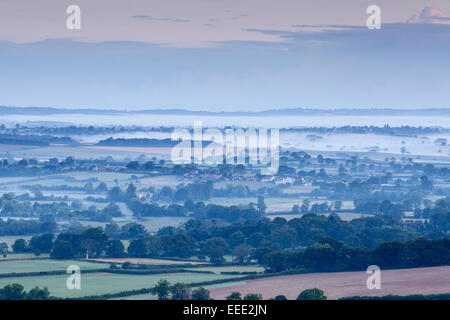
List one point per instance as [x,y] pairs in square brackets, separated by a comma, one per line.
[439,112]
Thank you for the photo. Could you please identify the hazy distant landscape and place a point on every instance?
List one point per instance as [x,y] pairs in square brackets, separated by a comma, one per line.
[225,150]
[100,191]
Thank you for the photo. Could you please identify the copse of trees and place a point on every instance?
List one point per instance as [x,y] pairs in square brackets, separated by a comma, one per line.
[180,245]
[198,210]
[20,206]
[437,212]
[178,291]
[41,244]
[141,209]
[249,296]
[312,294]
[16,291]
[13,227]
[247,238]
[92,242]
[130,230]
[252,239]
[331,256]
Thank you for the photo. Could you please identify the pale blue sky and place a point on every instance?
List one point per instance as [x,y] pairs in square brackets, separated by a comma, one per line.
[225,55]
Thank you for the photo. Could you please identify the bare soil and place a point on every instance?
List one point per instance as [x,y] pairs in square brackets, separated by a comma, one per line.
[345,284]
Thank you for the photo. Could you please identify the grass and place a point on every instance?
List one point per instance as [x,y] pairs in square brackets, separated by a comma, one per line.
[161,181]
[147,261]
[152,224]
[61,152]
[220,269]
[346,216]
[23,266]
[336,285]
[75,179]
[276,204]
[253,185]
[98,284]
[228,258]
[22,256]
[149,296]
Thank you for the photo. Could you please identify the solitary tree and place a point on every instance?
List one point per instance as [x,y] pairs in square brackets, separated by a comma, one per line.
[20,245]
[235,296]
[3,249]
[253,296]
[62,250]
[338,204]
[312,294]
[200,294]
[261,206]
[162,289]
[38,294]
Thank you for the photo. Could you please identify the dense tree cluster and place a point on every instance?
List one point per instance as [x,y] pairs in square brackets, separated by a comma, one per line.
[12,227]
[11,206]
[329,256]
[16,291]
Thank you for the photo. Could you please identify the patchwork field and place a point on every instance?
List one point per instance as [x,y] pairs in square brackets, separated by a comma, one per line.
[218,270]
[21,256]
[150,296]
[346,216]
[152,224]
[97,284]
[344,284]
[277,204]
[61,152]
[252,185]
[146,261]
[162,181]
[38,265]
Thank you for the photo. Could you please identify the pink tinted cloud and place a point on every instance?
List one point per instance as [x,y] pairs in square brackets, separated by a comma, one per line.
[430,15]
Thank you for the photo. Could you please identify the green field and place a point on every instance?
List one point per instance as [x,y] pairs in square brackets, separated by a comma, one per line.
[38,265]
[16,256]
[61,152]
[252,185]
[152,224]
[97,284]
[345,216]
[277,204]
[149,296]
[75,179]
[218,270]
[227,257]
[162,181]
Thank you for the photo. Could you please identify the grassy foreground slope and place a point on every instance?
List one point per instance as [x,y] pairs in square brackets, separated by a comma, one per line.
[99,284]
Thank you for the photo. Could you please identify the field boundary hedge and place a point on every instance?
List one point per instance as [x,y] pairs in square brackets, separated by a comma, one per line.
[156,271]
[123,294]
[46,273]
[441,296]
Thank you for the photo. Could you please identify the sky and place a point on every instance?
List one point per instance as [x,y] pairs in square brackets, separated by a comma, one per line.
[221,55]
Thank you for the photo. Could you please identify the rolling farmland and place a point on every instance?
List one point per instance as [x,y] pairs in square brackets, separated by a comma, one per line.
[44,265]
[103,283]
[345,284]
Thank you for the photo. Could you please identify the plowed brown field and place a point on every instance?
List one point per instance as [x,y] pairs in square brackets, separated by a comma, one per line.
[344,284]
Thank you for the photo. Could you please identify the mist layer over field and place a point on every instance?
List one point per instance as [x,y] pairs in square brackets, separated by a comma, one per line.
[221,121]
